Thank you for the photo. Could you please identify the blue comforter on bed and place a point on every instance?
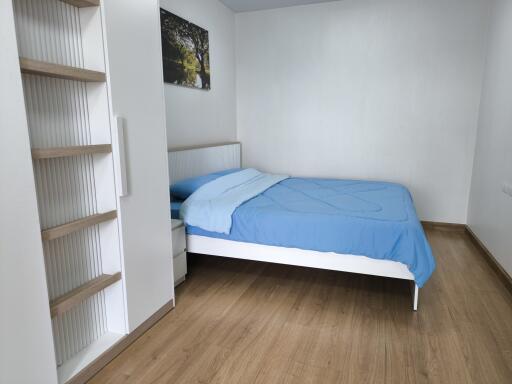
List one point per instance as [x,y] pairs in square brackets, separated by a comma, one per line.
[212,205]
[374,219]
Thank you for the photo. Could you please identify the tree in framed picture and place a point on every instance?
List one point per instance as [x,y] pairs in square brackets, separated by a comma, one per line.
[185,51]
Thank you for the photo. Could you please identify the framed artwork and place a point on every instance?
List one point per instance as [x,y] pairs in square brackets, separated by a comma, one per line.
[185,51]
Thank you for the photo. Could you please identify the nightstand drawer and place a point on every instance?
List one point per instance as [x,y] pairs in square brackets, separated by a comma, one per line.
[178,241]
[180,268]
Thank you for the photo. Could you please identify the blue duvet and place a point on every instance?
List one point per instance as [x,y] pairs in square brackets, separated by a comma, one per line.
[373,219]
[213,204]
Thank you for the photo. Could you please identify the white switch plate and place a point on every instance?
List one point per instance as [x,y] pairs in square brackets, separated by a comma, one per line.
[507,189]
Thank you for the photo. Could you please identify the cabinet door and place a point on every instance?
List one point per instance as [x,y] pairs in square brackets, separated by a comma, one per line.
[136,80]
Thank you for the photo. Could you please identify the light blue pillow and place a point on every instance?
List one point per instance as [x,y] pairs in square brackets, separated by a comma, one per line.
[184,188]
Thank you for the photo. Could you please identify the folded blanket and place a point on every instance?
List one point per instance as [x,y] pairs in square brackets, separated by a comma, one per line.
[212,205]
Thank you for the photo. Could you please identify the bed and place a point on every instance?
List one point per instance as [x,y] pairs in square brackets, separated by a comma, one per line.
[353,226]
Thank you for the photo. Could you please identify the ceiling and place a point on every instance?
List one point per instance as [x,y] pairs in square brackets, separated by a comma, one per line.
[256,5]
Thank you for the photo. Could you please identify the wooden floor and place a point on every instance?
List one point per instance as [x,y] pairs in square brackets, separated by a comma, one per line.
[246,322]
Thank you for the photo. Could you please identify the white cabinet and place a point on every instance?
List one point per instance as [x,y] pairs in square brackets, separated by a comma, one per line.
[78,66]
[26,344]
[179,254]
[137,95]
[65,87]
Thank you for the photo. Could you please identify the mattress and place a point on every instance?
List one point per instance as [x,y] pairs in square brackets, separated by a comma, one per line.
[373,219]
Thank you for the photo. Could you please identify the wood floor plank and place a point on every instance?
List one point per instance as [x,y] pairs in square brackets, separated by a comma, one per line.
[246,322]
[205,304]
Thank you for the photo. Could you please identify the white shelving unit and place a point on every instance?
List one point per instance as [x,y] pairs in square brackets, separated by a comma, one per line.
[62,59]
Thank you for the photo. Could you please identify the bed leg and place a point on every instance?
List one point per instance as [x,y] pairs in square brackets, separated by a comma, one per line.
[415,294]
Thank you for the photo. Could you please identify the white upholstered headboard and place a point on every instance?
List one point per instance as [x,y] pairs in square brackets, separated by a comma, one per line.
[194,161]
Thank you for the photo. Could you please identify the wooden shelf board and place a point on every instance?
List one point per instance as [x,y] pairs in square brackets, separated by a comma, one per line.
[77,295]
[42,68]
[66,229]
[82,3]
[53,153]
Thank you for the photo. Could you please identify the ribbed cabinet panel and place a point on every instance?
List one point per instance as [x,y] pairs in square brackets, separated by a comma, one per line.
[57,112]
[79,327]
[49,30]
[66,192]
[72,261]
[66,189]
[58,116]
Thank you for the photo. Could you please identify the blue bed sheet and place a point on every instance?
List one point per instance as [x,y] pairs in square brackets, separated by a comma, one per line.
[374,219]
[175,208]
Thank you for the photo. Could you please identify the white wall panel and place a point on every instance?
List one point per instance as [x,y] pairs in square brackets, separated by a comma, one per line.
[204,117]
[366,89]
[490,209]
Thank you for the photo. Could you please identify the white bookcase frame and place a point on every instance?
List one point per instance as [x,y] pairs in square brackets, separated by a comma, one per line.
[60,32]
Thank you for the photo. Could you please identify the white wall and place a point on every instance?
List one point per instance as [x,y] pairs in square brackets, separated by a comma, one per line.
[135,61]
[490,210]
[366,89]
[200,117]
[26,344]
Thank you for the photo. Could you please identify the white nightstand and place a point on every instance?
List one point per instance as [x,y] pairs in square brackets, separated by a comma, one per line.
[179,253]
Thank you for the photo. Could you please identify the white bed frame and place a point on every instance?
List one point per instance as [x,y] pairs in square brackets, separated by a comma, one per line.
[199,160]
